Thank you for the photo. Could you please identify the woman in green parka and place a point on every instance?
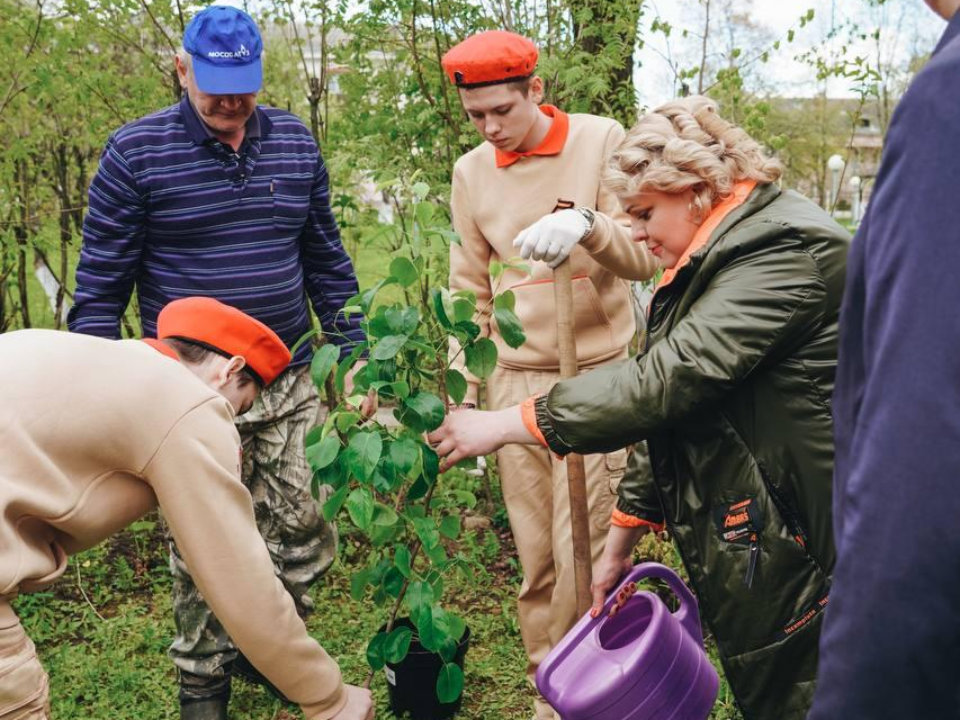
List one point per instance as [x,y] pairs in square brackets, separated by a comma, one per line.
[731,395]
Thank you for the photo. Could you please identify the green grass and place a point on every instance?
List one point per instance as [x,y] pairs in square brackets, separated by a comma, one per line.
[102,632]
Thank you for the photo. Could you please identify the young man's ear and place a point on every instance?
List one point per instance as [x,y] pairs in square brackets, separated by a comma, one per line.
[233,367]
[536,89]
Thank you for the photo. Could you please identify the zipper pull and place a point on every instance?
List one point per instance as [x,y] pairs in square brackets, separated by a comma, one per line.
[752,560]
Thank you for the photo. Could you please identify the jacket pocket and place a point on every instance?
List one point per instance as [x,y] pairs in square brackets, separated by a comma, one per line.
[604,487]
[291,203]
[537,311]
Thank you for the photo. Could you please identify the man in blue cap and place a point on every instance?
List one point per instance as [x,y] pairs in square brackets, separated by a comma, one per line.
[221,197]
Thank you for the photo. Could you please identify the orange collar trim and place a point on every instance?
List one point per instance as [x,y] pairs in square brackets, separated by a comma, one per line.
[552,144]
[162,348]
[741,191]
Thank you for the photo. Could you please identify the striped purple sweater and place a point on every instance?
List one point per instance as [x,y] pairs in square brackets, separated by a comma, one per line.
[177,213]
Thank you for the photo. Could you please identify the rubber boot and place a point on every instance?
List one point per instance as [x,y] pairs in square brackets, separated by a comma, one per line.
[244,669]
[204,698]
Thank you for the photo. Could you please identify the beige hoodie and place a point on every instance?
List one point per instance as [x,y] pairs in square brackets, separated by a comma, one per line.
[94,434]
[491,205]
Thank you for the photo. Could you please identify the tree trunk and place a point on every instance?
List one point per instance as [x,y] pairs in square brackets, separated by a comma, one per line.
[20,232]
[608,28]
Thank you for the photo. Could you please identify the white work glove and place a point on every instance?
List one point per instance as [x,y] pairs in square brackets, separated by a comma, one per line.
[552,237]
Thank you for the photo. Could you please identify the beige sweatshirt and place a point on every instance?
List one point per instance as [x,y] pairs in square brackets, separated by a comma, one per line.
[490,206]
[94,434]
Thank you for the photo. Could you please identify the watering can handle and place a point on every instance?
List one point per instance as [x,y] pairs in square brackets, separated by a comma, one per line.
[687,613]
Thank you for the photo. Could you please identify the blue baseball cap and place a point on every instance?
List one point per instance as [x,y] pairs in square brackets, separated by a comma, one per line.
[225,45]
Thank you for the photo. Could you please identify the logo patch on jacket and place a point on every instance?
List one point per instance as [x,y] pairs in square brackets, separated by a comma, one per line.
[738,521]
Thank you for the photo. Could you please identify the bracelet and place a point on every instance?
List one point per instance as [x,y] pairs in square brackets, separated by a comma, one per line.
[461,406]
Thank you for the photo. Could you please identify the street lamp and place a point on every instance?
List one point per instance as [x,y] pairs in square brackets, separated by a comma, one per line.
[835,164]
[856,184]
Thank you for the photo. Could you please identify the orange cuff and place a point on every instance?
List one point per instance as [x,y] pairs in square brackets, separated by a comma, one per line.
[528,412]
[621,519]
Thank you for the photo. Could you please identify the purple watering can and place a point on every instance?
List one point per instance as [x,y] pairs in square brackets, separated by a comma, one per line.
[645,663]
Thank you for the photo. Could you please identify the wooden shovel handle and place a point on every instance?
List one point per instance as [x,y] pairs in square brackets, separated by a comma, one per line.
[576,475]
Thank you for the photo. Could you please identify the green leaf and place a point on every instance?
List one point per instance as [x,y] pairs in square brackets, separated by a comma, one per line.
[510,327]
[375,651]
[506,300]
[333,504]
[402,321]
[384,515]
[344,367]
[404,271]
[449,683]
[402,561]
[418,489]
[425,212]
[323,361]
[463,310]
[456,386]
[431,635]
[363,453]
[450,526]
[388,347]
[419,595]
[427,531]
[496,269]
[393,582]
[323,453]
[443,306]
[314,436]
[481,357]
[420,190]
[422,412]
[358,584]
[360,507]
[431,465]
[398,644]
[404,452]
[346,420]
[456,626]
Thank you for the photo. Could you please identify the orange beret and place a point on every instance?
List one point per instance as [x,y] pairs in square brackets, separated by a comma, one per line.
[490,58]
[226,330]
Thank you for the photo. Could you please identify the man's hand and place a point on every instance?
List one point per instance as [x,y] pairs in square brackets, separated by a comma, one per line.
[471,433]
[371,402]
[552,237]
[359,705]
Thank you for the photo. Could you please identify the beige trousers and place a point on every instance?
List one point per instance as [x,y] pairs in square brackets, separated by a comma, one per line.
[535,492]
[24,691]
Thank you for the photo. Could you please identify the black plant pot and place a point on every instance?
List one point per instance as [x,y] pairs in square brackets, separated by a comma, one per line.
[412,683]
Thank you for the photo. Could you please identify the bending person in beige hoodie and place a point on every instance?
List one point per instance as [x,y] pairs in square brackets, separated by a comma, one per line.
[532,189]
[143,417]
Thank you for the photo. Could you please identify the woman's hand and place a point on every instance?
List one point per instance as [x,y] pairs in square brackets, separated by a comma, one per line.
[616,561]
[471,433]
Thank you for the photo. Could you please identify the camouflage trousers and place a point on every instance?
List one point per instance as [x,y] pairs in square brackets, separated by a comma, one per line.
[301,544]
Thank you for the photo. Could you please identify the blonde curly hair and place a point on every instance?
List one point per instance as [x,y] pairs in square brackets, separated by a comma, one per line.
[686,145]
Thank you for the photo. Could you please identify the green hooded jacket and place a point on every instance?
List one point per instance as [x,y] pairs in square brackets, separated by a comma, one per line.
[732,396]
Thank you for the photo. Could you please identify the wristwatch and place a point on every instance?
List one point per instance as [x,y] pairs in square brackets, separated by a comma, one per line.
[590,216]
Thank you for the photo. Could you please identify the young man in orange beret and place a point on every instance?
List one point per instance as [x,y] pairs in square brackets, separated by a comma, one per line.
[150,423]
[533,189]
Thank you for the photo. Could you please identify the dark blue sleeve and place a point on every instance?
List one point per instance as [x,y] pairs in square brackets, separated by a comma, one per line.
[113,232]
[891,641]
[328,270]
